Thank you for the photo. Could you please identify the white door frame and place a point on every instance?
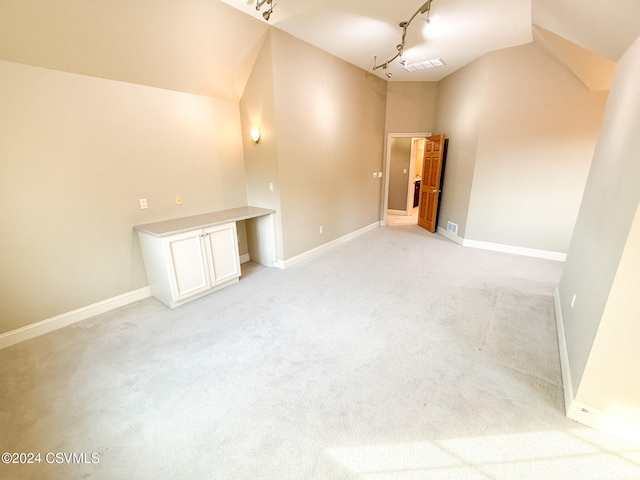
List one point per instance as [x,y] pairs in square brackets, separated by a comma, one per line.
[387,165]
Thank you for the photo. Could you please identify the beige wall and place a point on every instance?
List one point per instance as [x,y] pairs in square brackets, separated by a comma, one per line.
[522,132]
[411,107]
[538,131]
[602,269]
[329,119]
[458,110]
[611,380]
[76,155]
[202,47]
[257,108]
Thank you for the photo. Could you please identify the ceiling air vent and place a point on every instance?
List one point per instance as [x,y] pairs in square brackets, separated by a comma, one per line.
[416,67]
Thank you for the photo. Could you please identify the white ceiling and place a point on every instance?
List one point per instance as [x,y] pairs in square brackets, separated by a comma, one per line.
[208,47]
[459,32]
[357,30]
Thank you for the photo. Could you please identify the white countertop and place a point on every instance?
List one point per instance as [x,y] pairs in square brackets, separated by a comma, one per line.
[204,220]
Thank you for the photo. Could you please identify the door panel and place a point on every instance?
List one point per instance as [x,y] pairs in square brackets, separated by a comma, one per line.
[222,243]
[430,187]
[188,264]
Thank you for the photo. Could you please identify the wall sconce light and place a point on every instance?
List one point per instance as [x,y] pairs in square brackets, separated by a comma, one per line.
[255,134]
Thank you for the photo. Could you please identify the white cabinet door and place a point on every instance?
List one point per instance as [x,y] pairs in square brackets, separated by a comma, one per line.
[187,265]
[222,248]
[187,262]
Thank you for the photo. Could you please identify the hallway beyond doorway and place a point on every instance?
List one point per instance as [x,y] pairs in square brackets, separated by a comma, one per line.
[395,219]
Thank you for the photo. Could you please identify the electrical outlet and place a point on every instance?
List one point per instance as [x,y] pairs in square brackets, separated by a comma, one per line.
[143,203]
[321,228]
[178,199]
[271,186]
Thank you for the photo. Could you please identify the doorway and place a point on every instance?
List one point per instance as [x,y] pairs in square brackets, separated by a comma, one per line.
[403,170]
[431,186]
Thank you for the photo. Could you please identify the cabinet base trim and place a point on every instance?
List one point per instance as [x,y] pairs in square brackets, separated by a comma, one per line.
[59,321]
[201,294]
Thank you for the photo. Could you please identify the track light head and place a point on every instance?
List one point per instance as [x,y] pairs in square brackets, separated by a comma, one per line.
[266,15]
[425,7]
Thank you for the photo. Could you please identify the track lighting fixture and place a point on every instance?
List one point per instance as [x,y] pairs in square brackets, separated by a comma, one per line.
[425,8]
[267,14]
[259,3]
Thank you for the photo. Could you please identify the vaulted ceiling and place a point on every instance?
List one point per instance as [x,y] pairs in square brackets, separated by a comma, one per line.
[208,47]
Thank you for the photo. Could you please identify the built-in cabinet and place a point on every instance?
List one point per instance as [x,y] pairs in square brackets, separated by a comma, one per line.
[190,257]
[200,260]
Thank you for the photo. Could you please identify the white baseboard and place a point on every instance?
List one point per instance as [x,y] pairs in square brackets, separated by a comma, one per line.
[578,411]
[54,323]
[325,247]
[451,236]
[565,367]
[498,247]
[528,252]
[605,422]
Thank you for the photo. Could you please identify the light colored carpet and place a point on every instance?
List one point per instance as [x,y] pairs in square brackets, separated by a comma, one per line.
[398,355]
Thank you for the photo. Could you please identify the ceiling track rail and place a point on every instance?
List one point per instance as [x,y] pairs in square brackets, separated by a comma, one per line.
[425,8]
